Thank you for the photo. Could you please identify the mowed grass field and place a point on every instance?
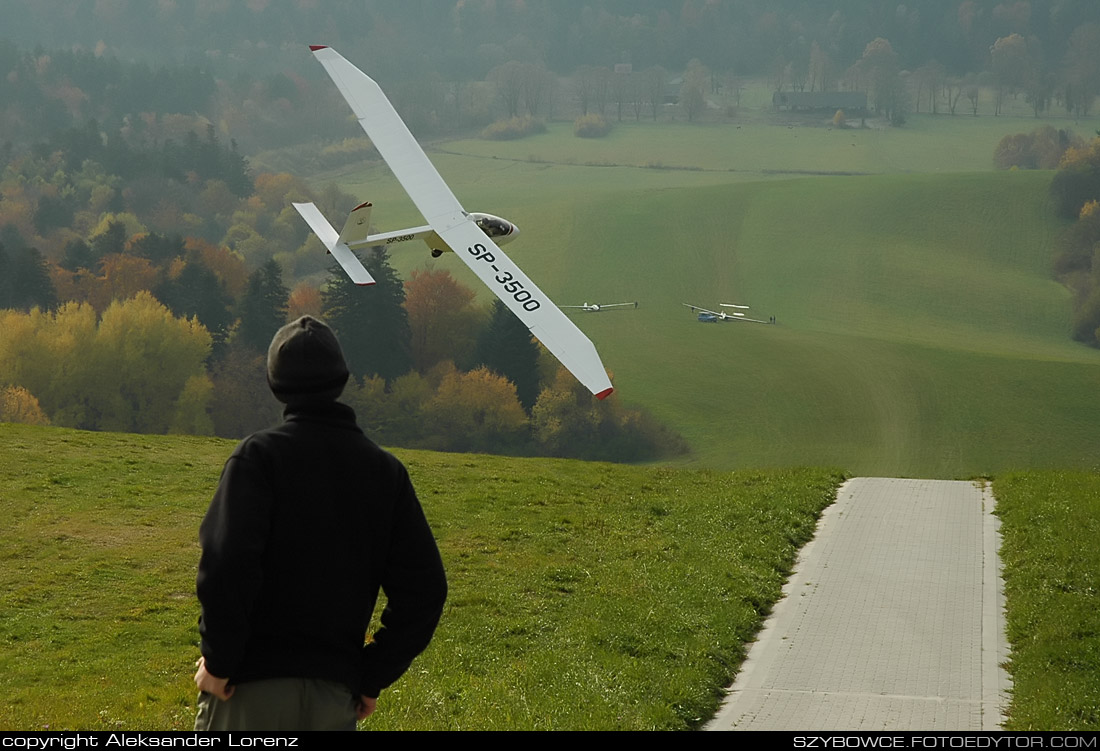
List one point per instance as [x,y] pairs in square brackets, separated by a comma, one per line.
[919,330]
[582,595]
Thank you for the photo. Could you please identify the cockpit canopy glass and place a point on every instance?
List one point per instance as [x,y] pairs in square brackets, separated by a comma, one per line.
[494,226]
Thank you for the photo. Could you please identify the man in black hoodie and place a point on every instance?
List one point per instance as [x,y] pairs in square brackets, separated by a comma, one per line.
[310,520]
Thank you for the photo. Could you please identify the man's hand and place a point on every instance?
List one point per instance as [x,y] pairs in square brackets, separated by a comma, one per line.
[364,708]
[210,683]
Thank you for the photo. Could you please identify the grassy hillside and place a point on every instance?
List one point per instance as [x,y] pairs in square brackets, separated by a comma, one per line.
[920,333]
[582,596]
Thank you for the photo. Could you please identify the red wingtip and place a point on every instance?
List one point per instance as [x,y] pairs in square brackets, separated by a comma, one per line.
[315,47]
[604,394]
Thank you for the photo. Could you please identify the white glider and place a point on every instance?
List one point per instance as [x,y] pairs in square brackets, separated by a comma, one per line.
[475,238]
[597,307]
[710,316]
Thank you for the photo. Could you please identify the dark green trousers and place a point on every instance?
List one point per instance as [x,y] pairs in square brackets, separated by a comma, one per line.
[279,704]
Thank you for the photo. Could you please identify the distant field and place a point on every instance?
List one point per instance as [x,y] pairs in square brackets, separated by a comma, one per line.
[666,155]
[920,333]
[582,596]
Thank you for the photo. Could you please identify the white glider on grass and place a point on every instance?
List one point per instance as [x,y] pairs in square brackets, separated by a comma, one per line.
[710,316]
[475,238]
[591,307]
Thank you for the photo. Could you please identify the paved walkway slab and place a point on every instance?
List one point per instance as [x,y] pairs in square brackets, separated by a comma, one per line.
[892,620]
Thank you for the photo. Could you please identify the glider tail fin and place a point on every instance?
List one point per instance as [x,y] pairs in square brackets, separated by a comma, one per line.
[326,233]
[357,227]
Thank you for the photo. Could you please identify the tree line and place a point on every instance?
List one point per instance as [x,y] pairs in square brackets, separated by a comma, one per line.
[151,242]
[479,61]
[140,367]
[1075,193]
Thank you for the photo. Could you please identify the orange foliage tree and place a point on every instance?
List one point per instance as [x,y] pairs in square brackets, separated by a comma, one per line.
[442,318]
[305,300]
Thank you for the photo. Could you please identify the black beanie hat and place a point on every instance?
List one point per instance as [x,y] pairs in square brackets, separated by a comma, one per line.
[305,363]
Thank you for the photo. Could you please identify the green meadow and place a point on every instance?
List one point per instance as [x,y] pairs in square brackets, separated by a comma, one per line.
[582,595]
[919,332]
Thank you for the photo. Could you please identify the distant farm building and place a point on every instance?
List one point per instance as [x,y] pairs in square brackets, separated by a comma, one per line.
[825,101]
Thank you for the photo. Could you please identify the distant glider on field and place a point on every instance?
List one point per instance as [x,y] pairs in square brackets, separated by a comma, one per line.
[472,237]
[710,316]
[596,308]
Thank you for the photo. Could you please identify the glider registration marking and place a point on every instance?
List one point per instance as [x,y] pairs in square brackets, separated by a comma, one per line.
[508,282]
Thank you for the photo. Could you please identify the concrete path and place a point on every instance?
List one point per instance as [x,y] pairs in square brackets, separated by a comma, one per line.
[893,619]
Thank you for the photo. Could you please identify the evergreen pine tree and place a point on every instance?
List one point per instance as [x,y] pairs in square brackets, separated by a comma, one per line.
[371,321]
[6,287]
[507,348]
[111,240]
[78,255]
[31,283]
[263,307]
[198,292]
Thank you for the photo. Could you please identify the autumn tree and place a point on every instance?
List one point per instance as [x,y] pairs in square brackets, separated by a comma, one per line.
[137,369]
[392,415]
[123,276]
[442,318]
[878,70]
[568,421]
[146,359]
[476,412]
[19,405]
[1077,180]
[305,299]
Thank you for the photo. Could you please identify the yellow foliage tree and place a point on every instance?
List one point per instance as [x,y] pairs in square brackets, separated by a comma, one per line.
[1081,155]
[273,189]
[148,356]
[132,224]
[476,411]
[19,405]
[133,370]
